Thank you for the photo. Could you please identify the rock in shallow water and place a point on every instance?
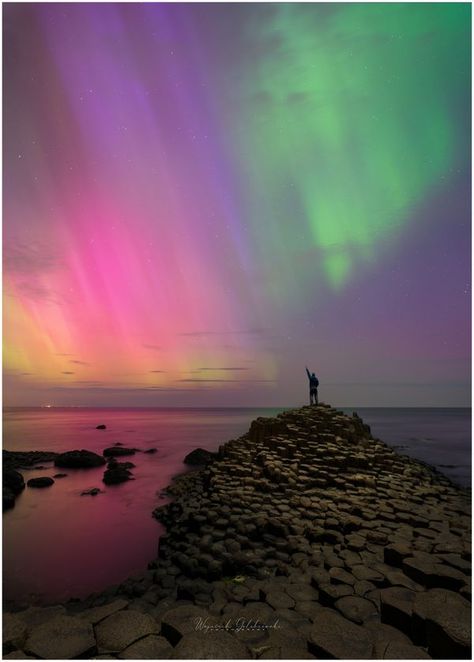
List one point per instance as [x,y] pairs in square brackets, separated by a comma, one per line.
[8,499]
[92,492]
[79,459]
[118,451]
[13,480]
[41,481]
[117,473]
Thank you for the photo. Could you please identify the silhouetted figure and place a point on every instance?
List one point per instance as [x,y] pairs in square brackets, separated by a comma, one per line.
[313,387]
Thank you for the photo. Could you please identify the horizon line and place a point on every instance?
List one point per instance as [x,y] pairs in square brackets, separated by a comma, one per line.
[232,407]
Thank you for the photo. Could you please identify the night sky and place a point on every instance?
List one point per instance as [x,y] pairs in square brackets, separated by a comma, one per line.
[199,200]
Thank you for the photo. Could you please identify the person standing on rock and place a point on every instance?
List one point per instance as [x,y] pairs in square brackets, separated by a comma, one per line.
[313,387]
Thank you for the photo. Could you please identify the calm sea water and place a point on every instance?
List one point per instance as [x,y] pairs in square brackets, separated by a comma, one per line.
[58,544]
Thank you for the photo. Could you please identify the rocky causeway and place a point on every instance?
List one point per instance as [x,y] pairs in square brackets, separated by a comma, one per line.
[303,538]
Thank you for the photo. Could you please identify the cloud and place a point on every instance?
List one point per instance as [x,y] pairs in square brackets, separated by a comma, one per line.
[60,354]
[117,389]
[79,362]
[195,379]
[155,348]
[228,381]
[68,373]
[197,334]
[156,371]
[224,369]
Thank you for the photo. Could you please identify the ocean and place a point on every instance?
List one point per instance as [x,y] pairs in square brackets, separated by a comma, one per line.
[58,544]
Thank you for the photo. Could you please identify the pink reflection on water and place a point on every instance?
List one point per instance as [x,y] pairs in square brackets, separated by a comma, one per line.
[58,544]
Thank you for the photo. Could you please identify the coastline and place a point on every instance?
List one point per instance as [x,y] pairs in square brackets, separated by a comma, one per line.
[306,520]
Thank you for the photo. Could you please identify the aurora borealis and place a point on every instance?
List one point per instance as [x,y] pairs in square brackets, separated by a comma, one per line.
[199,200]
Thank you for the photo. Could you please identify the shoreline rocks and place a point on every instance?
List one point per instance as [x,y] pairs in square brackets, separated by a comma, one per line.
[13,485]
[306,537]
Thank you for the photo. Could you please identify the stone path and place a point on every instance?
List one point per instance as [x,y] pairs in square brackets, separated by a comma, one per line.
[305,538]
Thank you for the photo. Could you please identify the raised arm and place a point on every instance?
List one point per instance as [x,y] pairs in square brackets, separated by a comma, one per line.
[308,373]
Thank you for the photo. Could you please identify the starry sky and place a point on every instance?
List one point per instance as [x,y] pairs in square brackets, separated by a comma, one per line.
[201,200]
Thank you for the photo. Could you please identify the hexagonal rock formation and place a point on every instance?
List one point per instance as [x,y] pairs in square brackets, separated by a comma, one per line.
[63,637]
[123,628]
[304,538]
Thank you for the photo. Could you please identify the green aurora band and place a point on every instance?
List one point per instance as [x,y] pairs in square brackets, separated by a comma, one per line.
[349,113]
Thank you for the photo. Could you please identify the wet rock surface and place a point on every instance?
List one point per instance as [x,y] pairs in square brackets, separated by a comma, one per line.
[304,538]
[79,459]
[117,472]
[26,459]
[13,484]
[40,481]
[199,456]
[117,451]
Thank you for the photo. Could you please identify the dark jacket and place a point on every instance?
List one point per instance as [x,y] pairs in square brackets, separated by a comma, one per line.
[313,380]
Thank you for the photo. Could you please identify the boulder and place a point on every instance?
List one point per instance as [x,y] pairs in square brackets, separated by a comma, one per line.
[152,647]
[113,464]
[150,451]
[14,459]
[123,628]
[199,456]
[13,480]
[81,459]
[101,427]
[92,492]
[59,475]
[63,637]
[8,499]
[334,636]
[41,481]
[118,451]
[117,474]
